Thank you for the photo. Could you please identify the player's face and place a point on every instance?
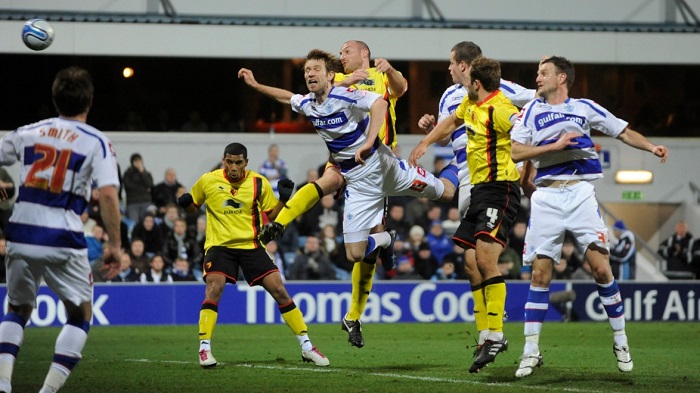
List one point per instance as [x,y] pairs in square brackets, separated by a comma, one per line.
[457,69]
[234,166]
[316,76]
[547,80]
[471,88]
[351,56]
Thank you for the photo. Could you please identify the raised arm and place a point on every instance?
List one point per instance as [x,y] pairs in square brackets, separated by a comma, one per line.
[397,83]
[281,95]
[632,138]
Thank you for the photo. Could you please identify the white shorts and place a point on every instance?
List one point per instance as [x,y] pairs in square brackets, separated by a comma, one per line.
[70,280]
[555,210]
[465,196]
[383,175]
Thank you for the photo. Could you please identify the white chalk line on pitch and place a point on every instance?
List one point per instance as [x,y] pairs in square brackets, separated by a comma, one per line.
[388,375]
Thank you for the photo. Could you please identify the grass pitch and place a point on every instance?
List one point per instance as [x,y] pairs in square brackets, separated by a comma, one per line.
[417,357]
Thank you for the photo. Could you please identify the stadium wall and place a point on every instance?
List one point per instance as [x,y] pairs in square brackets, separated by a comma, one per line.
[326,302]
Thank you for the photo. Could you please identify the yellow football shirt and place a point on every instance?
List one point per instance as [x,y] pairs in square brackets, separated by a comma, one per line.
[488,126]
[378,82]
[234,210]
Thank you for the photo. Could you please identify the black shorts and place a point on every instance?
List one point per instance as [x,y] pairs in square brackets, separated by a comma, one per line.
[254,263]
[491,213]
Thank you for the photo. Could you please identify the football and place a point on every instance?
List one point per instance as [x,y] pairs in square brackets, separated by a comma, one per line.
[37,34]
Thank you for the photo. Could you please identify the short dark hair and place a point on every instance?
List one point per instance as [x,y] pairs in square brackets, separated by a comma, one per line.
[72,91]
[330,61]
[134,157]
[235,149]
[488,72]
[563,65]
[466,51]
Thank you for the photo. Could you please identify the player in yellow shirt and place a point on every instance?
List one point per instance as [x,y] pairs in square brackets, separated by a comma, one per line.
[386,81]
[237,200]
[488,116]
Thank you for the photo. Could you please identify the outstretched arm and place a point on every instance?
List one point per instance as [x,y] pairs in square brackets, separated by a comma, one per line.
[521,152]
[441,130]
[632,138]
[275,93]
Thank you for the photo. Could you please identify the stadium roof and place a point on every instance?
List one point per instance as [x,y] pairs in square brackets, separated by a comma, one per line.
[242,20]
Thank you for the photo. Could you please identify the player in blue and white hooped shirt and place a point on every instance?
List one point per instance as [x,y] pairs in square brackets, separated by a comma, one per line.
[348,121]
[60,158]
[554,133]
[461,56]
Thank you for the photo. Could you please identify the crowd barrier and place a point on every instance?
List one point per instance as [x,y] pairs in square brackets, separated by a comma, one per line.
[326,302]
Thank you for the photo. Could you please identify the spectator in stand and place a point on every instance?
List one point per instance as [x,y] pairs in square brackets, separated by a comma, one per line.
[623,254]
[149,233]
[138,184]
[181,270]
[321,214]
[396,220]
[446,272]
[156,272]
[277,257]
[95,242]
[457,256]
[199,236]
[195,123]
[425,262]
[404,269]
[167,191]
[571,258]
[451,223]
[312,263]
[332,214]
[274,168]
[139,260]
[583,272]
[416,210]
[289,242]
[126,273]
[178,244]
[675,249]
[694,255]
[172,214]
[311,176]
[440,244]
[509,264]
[335,248]
[416,237]
[433,214]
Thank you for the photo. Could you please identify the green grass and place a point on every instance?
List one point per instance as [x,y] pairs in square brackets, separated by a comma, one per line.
[396,358]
